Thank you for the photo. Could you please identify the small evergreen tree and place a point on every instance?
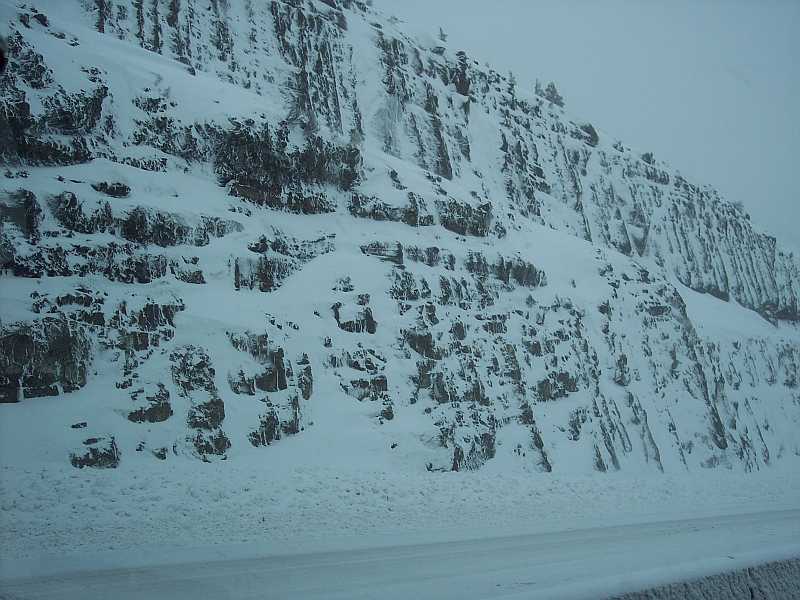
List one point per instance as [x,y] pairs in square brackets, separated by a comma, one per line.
[511,90]
[512,85]
[551,95]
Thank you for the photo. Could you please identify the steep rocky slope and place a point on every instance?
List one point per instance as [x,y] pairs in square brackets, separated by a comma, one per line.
[229,223]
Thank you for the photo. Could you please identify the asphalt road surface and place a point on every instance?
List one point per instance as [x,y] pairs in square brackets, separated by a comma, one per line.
[583,563]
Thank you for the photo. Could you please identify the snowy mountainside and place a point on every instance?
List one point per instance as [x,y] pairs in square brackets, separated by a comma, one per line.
[226,225]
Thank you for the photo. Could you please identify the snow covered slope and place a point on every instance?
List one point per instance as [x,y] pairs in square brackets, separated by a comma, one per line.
[227,224]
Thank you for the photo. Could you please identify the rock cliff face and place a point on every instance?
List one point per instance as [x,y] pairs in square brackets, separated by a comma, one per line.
[220,219]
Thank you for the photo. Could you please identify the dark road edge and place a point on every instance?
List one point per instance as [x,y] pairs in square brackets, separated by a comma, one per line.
[778,580]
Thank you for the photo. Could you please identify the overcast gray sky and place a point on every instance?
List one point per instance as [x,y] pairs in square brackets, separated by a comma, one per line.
[713,87]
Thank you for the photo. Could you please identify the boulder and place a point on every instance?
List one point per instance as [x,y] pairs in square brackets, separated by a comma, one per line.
[97,453]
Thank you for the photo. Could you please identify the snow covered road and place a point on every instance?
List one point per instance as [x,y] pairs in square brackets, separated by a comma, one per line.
[582,563]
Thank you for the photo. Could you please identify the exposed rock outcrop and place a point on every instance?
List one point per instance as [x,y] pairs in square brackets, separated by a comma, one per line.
[97,453]
[299,204]
[43,358]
